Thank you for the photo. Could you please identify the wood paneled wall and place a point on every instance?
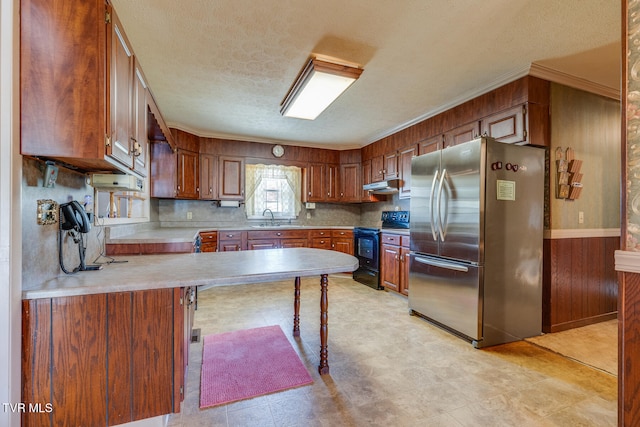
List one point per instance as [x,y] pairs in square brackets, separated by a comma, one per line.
[579,282]
[629,350]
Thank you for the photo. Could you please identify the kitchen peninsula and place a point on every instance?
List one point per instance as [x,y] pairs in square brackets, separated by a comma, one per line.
[127,357]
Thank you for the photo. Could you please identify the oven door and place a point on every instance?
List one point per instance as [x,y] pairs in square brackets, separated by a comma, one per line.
[366,248]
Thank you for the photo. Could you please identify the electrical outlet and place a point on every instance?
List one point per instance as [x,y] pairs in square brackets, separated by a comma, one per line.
[189,215]
[580,217]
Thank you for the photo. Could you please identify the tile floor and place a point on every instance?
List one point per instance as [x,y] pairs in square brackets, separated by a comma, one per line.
[594,345]
[392,369]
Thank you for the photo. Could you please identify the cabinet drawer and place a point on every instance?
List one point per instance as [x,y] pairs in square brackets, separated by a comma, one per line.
[206,235]
[391,239]
[319,233]
[230,235]
[294,243]
[341,233]
[321,243]
[405,241]
[277,234]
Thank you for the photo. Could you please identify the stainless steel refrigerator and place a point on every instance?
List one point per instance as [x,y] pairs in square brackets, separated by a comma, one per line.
[476,240]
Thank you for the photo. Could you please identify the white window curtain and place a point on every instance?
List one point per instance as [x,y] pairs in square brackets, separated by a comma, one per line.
[273,187]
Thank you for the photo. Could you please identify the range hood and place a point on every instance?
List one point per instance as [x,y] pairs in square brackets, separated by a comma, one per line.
[389,186]
[116,182]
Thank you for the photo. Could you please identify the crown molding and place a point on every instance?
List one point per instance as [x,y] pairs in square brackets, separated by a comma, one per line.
[559,77]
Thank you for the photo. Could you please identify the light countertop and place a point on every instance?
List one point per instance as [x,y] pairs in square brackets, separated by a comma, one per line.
[142,272]
[186,234]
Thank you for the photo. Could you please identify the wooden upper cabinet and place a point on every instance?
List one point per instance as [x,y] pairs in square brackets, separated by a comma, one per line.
[365,196]
[81,93]
[188,175]
[333,183]
[164,174]
[404,170]
[350,184]
[377,169]
[509,126]
[140,123]
[391,165]
[231,178]
[121,64]
[431,144]
[316,182]
[63,111]
[208,177]
[461,134]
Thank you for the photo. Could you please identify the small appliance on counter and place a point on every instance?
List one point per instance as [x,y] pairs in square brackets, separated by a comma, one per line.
[366,244]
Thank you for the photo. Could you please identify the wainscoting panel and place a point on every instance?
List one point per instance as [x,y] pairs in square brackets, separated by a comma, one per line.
[580,283]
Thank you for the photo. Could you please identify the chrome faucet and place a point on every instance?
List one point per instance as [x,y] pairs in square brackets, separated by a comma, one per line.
[271,212]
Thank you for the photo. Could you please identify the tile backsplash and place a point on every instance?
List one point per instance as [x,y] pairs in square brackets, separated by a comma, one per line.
[40,260]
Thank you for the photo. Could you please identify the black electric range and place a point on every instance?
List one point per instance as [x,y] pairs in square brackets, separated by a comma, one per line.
[366,247]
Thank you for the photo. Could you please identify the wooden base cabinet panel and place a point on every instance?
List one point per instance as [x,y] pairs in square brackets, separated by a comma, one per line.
[36,358]
[152,382]
[120,363]
[394,262]
[103,359]
[64,360]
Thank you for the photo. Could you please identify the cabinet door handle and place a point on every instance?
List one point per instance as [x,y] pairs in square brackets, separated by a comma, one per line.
[278,234]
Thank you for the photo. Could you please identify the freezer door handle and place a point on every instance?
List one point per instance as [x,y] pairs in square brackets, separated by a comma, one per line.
[433,191]
[438,207]
[442,264]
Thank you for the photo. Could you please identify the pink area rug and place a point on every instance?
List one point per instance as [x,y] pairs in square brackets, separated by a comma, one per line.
[243,364]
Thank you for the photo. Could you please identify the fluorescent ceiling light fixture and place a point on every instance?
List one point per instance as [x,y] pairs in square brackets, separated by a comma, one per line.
[319,84]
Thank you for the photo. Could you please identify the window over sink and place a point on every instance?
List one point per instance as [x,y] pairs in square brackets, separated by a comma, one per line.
[273,187]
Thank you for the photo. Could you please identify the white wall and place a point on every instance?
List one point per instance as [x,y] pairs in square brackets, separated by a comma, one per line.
[10,222]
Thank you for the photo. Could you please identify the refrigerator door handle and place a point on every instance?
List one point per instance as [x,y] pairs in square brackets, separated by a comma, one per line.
[440,186]
[442,264]
[433,190]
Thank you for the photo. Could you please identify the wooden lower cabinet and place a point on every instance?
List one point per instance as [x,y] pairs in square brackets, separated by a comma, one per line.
[147,248]
[342,241]
[208,241]
[232,241]
[394,262]
[104,359]
[270,239]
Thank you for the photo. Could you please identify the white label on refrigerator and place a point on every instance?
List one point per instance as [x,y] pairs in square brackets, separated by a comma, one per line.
[506,190]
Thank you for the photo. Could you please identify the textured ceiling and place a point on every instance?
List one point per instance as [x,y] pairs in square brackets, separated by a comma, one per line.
[221,68]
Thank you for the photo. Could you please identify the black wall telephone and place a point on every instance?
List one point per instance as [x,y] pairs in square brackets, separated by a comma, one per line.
[74,217]
[74,220]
